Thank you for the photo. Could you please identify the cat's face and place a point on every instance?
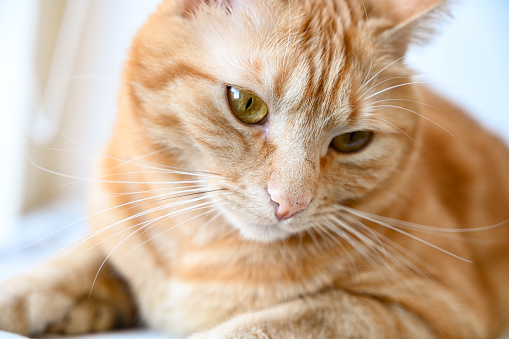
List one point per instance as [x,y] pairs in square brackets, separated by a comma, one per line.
[331,117]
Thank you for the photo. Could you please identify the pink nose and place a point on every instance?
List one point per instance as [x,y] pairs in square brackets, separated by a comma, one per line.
[286,207]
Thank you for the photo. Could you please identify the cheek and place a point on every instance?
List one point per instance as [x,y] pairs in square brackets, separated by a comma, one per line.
[348,177]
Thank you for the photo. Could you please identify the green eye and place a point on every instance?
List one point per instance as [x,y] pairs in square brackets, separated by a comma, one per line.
[351,142]
[246,106]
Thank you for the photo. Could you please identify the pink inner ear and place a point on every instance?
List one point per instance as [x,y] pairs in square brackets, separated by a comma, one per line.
[404,10]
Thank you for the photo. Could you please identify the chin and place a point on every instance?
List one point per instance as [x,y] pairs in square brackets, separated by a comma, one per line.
[263,233]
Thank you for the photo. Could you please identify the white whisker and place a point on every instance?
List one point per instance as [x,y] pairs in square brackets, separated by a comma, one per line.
[193,208]
[327,231]
[108,181]
[359,214]
[89,236]
[396,127]
[177,225]
[141,163]
[395,86]
[414,226]
[374,76]
[417,113]
[405,100]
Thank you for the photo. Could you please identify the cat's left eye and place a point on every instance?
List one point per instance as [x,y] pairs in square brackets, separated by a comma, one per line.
[246,106]
[351,142]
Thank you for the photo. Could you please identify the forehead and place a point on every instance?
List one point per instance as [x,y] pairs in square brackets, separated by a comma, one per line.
[290,52]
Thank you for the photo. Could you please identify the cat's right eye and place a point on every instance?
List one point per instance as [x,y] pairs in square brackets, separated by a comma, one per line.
[246,106]
[351,142]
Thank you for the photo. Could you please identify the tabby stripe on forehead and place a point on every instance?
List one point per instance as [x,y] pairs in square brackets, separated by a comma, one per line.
[322,83]
[306,35]
[308,40]
[178,70]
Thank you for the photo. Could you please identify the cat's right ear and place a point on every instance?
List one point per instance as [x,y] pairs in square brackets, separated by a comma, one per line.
[408,21]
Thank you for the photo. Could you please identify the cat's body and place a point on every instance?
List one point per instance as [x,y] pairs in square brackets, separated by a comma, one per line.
[269,231]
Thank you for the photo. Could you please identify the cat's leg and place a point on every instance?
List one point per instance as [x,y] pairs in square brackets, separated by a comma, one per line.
[337,315]
[57,297]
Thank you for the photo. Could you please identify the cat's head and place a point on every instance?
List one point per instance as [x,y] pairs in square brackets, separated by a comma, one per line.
[301,105]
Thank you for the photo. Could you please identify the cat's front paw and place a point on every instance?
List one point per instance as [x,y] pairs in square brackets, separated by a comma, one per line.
[28,310]
[20,306]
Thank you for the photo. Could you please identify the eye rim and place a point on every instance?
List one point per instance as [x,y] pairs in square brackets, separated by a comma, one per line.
[240,89]
[356,148]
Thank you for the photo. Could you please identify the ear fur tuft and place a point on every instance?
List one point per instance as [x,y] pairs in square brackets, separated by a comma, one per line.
[411,24]
[190,6]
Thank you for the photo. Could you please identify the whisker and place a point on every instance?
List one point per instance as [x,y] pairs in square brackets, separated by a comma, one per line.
[154,190]
[404,258]
[374,76]
[359,214]
[359,223]
[209,222]
[414,226]
[177,225]
[376,85]
[157,220]
[404,264]
[417,113]
[137,215]
[89,216]
[358,245]
[109,255]
[141,163]
[312,236]
[353,266]
[395,86]
[390,123]
[108,181]
[123,173]
[405,100]
[190,209]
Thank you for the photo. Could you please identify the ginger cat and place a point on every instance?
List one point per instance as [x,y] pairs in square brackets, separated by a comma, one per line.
[275,173]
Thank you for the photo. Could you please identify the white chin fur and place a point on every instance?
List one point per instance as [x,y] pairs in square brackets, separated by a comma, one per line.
[263,233]
[257,232]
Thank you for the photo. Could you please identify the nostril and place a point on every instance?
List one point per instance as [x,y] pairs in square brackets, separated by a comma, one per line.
[285,207]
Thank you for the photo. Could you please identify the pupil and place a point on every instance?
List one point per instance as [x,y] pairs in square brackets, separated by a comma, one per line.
[249,102]
[352,136]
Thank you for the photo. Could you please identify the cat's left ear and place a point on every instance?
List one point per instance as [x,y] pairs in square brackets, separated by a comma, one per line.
[408,21]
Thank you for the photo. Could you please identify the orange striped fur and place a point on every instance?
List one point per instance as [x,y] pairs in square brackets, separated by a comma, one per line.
[407,238]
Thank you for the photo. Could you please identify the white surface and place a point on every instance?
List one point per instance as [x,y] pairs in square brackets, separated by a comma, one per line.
[5,335]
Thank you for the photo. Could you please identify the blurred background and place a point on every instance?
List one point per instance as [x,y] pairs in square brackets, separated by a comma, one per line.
[60,71]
